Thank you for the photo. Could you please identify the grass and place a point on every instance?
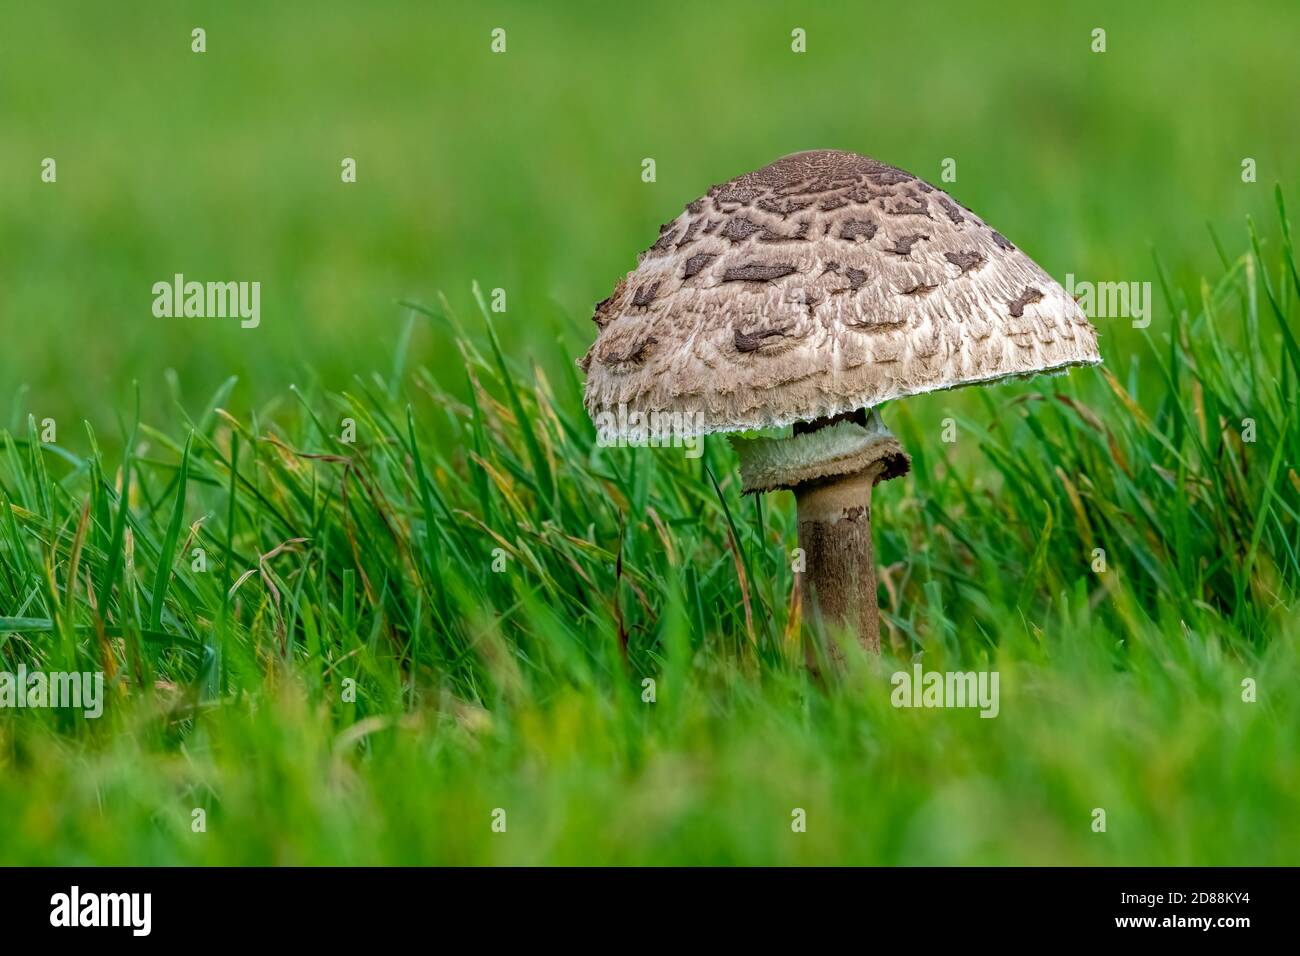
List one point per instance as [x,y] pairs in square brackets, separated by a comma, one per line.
[498,589]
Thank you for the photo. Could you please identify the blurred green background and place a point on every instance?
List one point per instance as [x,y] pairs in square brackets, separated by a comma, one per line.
[522,170]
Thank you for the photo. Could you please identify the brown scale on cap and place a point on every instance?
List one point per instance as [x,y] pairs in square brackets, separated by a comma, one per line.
[805,289]
[757,272]
[951,210]
[694,265]
[903,245]
[856,278]
[753,341]
[856,229]
[910,207]
[739,229]
[645,295]
[1026,298]
[965,261]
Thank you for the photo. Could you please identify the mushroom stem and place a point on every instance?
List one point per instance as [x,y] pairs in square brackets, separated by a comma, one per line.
[830,464]
[839,585]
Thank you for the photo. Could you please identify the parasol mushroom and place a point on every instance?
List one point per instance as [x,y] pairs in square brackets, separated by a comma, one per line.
[807,293]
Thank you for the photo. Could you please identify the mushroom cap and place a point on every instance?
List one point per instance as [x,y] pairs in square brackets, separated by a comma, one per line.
[820,284]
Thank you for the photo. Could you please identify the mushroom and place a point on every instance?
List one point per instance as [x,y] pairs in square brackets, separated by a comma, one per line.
[807,293]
